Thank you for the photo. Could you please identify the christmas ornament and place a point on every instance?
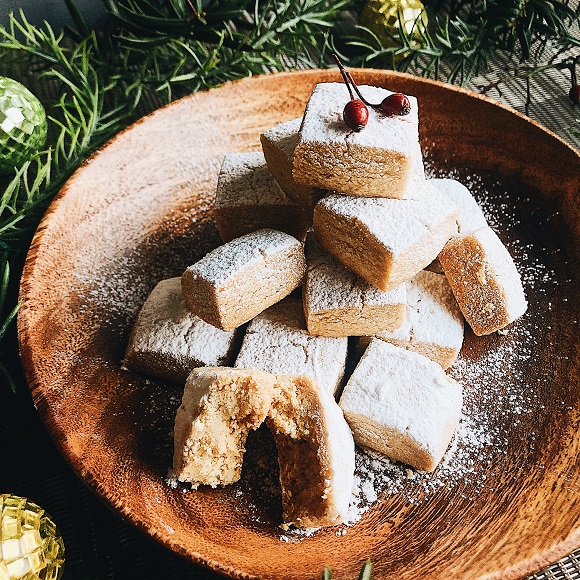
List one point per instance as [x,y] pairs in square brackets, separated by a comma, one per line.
[22,124]
[382,18]
[29,546]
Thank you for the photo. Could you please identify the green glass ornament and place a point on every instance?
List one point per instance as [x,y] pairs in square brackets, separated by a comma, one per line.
[30,548]
[22,124]
[382,18]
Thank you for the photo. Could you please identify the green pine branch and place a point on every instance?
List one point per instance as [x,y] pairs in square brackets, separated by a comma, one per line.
[462,39]
[80,121]
[365,573]
[175,48]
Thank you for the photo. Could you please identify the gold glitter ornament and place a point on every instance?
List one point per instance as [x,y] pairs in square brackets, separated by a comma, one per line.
[30,548]
[382,18]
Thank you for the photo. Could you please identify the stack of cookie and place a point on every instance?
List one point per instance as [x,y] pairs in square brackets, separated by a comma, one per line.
[390,257]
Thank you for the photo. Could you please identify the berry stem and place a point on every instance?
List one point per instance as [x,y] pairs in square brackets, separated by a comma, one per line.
[359,93]
[349,80]
[345,76]
[386,106]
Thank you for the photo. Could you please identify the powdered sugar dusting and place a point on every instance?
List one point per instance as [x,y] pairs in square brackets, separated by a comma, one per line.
[284,136]
[277,341]
[395,223]
[434,324]
[228,260]
[470,217]
[323,121]
[245,180]
[331,286]
[168,340]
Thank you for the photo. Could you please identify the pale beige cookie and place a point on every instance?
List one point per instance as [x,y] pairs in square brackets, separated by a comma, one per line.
[277,341]
[240,279]
[167,341]
[339,303]
[484,280]
[278,144]
[315,453]
[470,216]
[249,199]
[434,323]
[219,408]
[402,405]
[376,161]
[386,241]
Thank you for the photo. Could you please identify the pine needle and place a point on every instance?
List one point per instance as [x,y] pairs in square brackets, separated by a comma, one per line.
[366,572]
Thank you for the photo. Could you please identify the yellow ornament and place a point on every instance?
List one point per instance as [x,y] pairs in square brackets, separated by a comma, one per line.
[29,545]
[385,18]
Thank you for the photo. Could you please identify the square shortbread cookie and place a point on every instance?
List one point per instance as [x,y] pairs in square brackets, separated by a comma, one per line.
[402,404]
[315,453]
[376,161]
[167,341]
[240,279]
[220,406]
[434,323]
[339,303]
[470,216]
[484,280]
[277,341]
[386,241]
[249,199]
[278,144]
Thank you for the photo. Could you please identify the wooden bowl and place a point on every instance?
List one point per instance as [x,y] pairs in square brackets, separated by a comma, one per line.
[139,211]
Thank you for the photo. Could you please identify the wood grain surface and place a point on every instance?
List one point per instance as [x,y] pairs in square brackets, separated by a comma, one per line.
[140,210]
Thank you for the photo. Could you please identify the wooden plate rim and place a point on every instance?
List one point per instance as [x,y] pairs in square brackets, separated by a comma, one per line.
[25,331]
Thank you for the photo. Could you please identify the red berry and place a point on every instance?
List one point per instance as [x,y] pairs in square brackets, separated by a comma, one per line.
[355,115]
[396,104]
[574,94]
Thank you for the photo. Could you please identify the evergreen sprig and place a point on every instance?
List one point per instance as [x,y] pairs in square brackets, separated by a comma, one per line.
[464,37]
[178,47]
[365,572]
[80,121]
